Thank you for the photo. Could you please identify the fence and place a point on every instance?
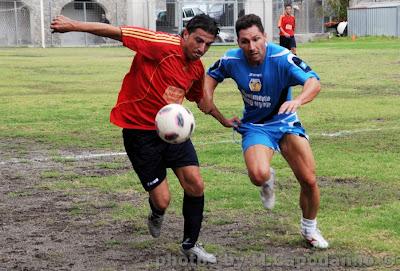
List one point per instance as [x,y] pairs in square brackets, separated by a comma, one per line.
[309,14]
[26,22]
[374,21]
[14,24]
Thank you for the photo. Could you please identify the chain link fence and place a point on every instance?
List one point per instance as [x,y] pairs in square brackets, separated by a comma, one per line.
[173,14]
[14,24]
[27,23]
[21,21]
[86,12]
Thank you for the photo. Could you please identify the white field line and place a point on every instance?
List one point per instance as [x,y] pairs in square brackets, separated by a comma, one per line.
[92,155]
[110,154]
[350,132]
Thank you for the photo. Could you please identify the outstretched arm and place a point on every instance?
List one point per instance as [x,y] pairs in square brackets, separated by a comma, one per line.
[310,90]
[208,106]
[62,24]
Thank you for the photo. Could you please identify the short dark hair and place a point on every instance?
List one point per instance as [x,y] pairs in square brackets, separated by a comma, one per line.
[204,22]
[288,5]
[247,21]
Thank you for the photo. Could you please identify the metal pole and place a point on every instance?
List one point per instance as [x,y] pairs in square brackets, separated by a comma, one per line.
[42,24]
[16,22]
[398,21]
[323,16]
[180,18]
[307,17]
[50,17]
[84,18]
[116,14]
[148,13]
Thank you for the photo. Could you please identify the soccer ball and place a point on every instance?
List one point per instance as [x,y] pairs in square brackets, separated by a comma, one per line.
[175,123]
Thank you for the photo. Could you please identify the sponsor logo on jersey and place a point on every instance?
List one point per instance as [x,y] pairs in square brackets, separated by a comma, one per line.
[255,84]
[174,95]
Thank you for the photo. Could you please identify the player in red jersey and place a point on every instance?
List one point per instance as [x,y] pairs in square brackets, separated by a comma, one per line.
[287,25]
[166,69]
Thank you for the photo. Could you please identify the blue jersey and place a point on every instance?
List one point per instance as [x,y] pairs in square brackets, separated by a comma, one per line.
[265,87]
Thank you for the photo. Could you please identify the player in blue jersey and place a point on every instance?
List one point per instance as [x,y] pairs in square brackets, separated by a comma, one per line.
[264,73]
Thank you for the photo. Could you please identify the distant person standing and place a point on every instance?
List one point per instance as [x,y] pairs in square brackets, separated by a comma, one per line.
[287,25]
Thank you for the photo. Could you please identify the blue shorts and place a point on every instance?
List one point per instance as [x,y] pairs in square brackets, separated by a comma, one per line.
[270,133]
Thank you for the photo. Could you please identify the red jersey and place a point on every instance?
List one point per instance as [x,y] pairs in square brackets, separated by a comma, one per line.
[160,74]
[288,23]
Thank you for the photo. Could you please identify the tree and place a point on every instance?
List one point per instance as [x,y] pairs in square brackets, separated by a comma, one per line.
[338,9]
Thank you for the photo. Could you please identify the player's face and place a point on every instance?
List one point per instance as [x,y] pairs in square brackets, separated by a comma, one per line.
[252,41]
[288,10]
[197,43]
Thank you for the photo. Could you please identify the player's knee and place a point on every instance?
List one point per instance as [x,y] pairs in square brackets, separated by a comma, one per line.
[162,203]
[196,189]
[260,176]
[309,183]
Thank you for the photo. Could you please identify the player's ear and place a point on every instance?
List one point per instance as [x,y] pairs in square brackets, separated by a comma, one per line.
[185,34]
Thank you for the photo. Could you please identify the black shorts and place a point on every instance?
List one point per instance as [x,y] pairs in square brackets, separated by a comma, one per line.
[150,156]
[288,43]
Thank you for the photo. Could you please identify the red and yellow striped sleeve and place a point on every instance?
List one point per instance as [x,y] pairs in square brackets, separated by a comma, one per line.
[147,42]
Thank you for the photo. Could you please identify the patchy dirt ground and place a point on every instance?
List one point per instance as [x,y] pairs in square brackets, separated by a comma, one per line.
[40,231]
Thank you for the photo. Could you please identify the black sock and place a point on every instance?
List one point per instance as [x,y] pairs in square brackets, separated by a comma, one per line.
[193,215]
[155,212]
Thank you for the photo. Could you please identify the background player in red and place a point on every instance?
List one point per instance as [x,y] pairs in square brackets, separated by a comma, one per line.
[166,69]
[287,26]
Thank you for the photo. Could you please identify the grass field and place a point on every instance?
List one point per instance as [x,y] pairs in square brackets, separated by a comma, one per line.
[61,98]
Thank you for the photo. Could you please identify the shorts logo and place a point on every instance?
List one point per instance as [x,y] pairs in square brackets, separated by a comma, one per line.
[255,84]
[152,182]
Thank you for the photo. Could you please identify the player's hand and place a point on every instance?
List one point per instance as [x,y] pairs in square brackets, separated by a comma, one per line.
[287,35]
[233,122]
[62,24]
[289,107]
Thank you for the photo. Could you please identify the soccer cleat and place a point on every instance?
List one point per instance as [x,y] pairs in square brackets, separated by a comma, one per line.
[154,223]
[315,239]
[267,192]
[198,254]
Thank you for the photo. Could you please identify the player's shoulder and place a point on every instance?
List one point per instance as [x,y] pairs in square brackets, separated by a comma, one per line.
[233,54]
[276,51]
[150,35]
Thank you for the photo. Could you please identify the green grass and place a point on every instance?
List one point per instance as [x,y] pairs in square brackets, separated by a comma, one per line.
[62,97]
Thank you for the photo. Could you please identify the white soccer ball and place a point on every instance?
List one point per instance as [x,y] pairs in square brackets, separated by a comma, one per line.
[175,123]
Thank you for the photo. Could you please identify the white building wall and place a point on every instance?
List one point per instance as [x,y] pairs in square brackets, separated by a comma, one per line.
[142,13]
[264,9]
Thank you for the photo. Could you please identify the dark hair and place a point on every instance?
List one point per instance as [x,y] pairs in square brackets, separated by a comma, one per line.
[288,5]
[204,22]
[248,21]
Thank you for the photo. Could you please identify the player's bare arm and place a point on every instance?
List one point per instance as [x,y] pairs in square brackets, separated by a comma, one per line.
[62,24]
[310,90]
[207,105]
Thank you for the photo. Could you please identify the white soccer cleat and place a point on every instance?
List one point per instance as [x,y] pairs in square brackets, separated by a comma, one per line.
[267,193]
[315,239]
[198,254]
[154,224]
